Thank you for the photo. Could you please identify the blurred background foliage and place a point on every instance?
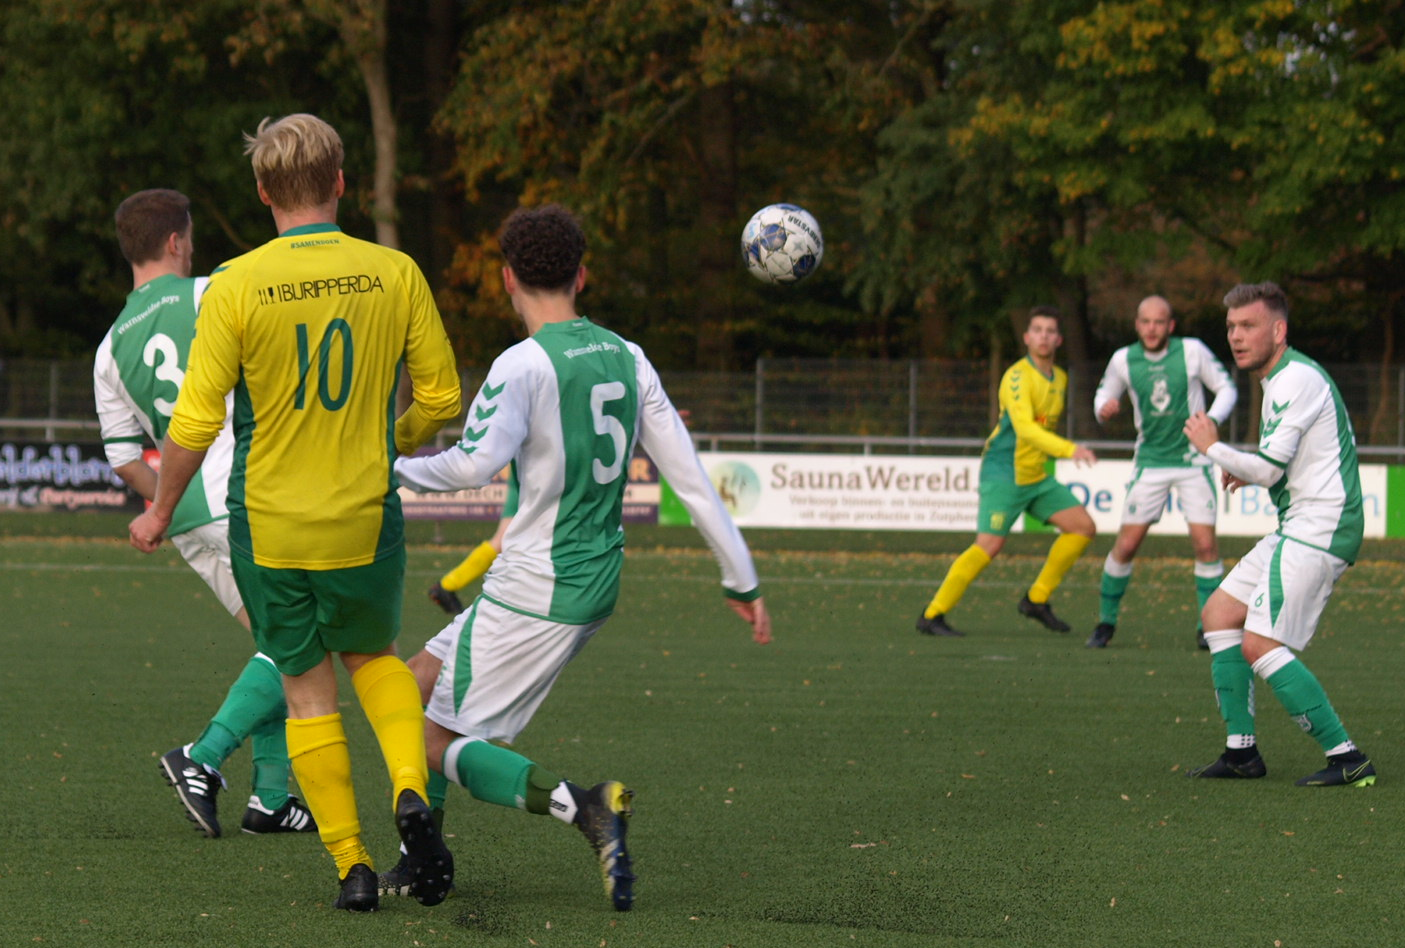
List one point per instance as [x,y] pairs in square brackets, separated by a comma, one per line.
[967,159]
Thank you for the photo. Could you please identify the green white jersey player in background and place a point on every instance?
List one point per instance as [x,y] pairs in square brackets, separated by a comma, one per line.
[1167,377]
[137,374]
[566,408]
[1268,606]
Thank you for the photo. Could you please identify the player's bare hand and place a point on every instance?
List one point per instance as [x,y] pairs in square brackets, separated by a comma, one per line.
[147,531]
[1108,410]
[756,616]
[1229,482]
[1201,431]
[1083,455]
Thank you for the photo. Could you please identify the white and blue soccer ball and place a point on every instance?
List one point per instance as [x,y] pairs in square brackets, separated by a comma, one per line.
[782,243]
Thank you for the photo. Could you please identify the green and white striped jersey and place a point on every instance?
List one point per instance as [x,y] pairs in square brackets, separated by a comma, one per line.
[1167,387]
[1306,458]
[1305,431]
[137,374]
[567,408]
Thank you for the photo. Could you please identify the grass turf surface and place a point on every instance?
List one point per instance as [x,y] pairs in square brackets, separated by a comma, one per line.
[853,783]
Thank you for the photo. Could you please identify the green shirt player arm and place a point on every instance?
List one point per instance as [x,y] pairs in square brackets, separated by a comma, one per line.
[178,467]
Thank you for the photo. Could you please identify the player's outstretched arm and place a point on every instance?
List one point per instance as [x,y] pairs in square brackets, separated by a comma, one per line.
[755,614]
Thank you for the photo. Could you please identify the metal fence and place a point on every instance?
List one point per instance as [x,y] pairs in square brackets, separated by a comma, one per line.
[912,406]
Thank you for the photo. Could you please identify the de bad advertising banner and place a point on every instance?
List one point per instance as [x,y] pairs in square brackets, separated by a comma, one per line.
[641,496]
[62,476]
[870,492]
[1248,512]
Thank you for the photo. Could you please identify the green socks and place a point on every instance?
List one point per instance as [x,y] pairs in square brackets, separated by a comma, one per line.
[253,707]
[268,746]
[1207,580]
[495,774]
[1298,690]
[1116,576]
[1234,687]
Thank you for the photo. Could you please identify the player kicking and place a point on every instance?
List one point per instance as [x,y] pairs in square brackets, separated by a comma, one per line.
[1167,377]
[1269,604]
[566,408]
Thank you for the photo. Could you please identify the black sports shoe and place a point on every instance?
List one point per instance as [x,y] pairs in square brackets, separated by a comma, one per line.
[358,890]
[445,599]
[1042,613]
[935,625]
[196,786]
[427,859]
[1223,767]
[292,817]
[1352,769]
[603,818]
[1200,642]
[397,879]
[1102,634]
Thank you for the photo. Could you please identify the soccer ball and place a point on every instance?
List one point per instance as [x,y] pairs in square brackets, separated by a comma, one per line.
[782,244]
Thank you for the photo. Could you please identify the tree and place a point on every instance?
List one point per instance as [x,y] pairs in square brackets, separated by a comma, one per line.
[106,97]
[665,125]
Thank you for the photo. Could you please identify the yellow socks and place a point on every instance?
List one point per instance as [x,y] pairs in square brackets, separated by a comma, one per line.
[966,568]
[391,700]
[473,566]
[1062,555]
[321,762]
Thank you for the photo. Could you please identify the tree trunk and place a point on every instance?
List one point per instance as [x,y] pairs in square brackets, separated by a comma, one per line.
[716,219]
[365,37]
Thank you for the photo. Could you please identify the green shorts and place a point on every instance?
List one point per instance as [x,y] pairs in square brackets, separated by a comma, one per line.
[300,615]
[1003,502]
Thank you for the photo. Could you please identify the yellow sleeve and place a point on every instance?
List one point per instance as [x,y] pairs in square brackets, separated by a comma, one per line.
[213,370]
[1018,393]
[434,376]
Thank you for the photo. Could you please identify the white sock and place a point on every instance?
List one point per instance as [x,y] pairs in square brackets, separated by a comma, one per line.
[563,804]
[1115,569]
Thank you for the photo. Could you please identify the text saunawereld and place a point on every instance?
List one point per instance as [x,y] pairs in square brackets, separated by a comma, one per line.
[872,477]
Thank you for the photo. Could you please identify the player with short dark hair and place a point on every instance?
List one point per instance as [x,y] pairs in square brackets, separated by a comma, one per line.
[137,374]
[566,408]
[1269,605]
[1013,482]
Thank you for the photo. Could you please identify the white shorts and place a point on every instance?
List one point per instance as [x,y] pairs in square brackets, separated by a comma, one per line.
[206,549]
[498,667]
[1150,491]
[1286,585]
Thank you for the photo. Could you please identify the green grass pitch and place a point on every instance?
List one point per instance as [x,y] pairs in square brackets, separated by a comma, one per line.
[852,784]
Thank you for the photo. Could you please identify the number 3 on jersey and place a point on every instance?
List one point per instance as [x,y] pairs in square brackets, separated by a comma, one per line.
[162,355]
[336,329]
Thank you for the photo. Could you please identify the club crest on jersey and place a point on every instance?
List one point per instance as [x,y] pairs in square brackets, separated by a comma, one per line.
[1160,395]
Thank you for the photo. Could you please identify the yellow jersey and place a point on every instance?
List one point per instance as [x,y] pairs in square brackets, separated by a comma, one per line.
[310,331]
[1031,404]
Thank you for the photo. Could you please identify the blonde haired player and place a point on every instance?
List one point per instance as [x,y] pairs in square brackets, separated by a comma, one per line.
[310,331]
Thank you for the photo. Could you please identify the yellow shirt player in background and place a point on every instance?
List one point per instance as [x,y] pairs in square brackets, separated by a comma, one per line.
[309,331]
[1013,481]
